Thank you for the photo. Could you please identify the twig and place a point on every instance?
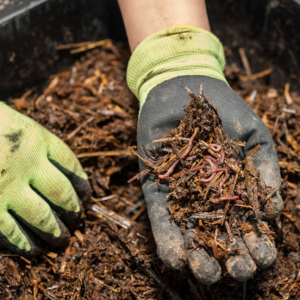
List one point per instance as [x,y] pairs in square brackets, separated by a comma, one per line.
[72,134]
[228,232]
[105,153]
[171,139]
[245,61]
[287,95]
[255,149]
[112,216]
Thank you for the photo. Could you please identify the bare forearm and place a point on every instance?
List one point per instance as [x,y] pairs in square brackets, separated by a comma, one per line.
[145,17]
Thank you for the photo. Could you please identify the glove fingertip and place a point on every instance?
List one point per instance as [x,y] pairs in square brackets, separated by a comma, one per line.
[273,207]
[81,186]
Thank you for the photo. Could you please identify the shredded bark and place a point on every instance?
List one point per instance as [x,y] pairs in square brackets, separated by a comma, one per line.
[96,265]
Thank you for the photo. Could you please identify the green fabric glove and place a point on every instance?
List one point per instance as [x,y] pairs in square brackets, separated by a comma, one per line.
[173,52]
[38,174]
[158,70]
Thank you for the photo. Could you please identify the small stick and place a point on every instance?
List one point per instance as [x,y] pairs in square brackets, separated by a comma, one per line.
[171,139]
[206,216]
[271,194]
[73,133]
[235,180]
[255,149]
[111,215]
[245,61]
[227,198]
[147,153]
[201,90]
[287,95]
[228,232]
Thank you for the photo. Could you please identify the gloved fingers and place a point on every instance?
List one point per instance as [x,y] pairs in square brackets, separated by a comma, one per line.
[239,264]
[203,265]
[270,174]
[65,160]
[167,235]
[15,238]
[261,248]
[35,213]
[54,187]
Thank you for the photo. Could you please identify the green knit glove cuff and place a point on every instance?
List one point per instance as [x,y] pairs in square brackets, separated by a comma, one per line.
[173,52]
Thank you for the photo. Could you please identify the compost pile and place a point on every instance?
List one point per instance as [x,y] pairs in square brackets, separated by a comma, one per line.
[111,254]
[207,180]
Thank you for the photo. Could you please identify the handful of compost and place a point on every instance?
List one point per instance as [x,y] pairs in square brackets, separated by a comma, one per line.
[211,189]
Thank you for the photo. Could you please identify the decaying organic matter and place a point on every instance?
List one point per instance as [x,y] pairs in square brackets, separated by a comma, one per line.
[96,265]
[209,185]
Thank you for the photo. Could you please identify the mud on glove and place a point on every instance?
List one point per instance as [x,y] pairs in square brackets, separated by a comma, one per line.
[40,178]
[158,70]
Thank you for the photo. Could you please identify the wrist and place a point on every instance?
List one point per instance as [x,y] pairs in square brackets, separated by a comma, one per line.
[173,52]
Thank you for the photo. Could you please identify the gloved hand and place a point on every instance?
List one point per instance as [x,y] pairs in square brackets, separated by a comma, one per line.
[40,178]
[158,70]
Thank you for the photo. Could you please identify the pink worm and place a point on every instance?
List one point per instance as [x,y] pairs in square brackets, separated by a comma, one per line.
[212,159]
[189,148]
[209,179]
[170,171]
[215,147]
[194,169]
[219,170]
[228,198]
[213,166]
[221,184]
[233,207]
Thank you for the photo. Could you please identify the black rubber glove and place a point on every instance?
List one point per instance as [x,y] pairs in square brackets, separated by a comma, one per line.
[163,106]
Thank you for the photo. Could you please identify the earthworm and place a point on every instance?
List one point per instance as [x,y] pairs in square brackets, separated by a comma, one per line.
[221,184]
[227,198]
[232,207]
[212,159]
[213,173]
[189,148]
[197,168]
[170,171]
[215,147]
[194,169]
[209,179]
[238,201]
[240,192]
[243,193]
